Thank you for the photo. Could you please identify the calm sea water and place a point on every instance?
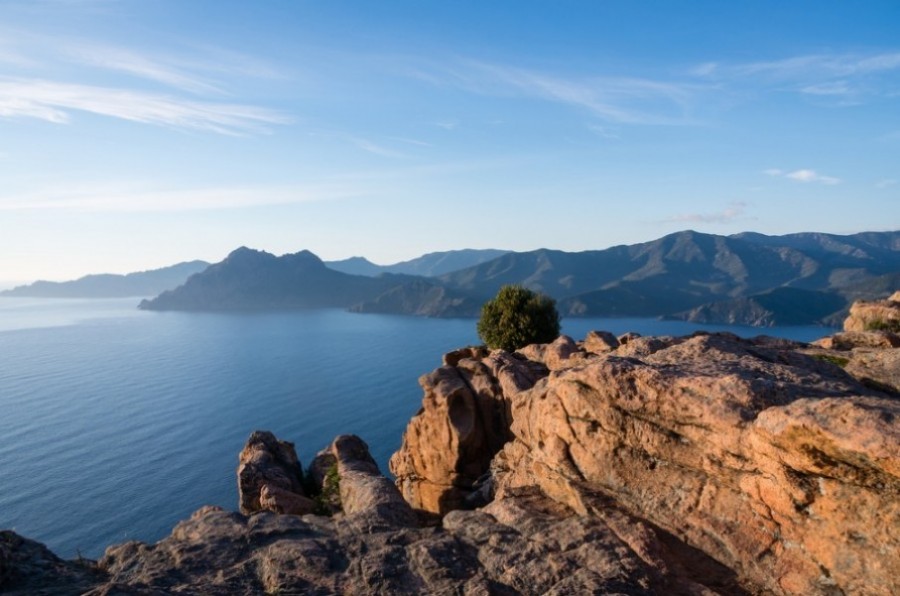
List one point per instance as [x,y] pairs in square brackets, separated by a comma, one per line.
[117,423]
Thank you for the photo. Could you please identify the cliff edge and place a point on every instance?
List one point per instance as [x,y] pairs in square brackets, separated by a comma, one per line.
[706,464]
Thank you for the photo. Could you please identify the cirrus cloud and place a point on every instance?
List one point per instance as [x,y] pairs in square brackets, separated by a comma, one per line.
[54,102]
[803,175]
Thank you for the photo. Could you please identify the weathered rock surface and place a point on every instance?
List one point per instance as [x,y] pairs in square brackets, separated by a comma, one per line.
[778,465]
[523,544]
[874,315]
[849,340]
[600,342]
[463,422]
[270,477]
[695,465]
[28,567]
[871,356]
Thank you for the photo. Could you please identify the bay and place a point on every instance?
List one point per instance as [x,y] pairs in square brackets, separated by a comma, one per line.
[117,423]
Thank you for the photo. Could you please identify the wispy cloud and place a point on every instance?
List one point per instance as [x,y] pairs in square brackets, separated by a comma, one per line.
[447,124]
[627,100]
[734,212]
[846,77]
[374,148]
[159,97]
[142,66]
[830,88]
[834,65]
[415,142]
[54,102]
[137,198]
[803,176]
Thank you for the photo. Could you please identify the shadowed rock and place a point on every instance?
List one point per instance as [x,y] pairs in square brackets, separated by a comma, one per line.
[28,567]
[270,477]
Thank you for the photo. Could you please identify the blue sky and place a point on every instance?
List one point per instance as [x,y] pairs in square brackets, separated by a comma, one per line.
[139,133]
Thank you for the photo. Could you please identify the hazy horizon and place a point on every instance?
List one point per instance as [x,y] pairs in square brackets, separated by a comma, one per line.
[136,135]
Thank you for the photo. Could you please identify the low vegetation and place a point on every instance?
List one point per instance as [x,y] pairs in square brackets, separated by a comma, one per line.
[892,325]
[836,360]
[517,317]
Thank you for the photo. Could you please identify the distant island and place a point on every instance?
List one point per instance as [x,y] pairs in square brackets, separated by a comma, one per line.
[108,285]
[747,278]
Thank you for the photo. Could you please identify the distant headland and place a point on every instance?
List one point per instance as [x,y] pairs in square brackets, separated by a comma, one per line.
[743,279]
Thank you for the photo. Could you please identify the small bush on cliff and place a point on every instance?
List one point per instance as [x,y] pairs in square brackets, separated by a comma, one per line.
[891,325]
[516,317]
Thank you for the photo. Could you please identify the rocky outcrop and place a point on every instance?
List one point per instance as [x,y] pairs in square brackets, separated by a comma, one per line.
[875,315]
[270,477]
[770,460]
[28,567]
[869,348]
[779,466]
[463,422]
[707,464]
[526,543]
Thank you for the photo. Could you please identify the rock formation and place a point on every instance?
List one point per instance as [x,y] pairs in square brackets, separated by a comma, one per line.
[867,349]
[707,464]
[772,461]
[466,409]
[270,477]
[524,544]
[875,315]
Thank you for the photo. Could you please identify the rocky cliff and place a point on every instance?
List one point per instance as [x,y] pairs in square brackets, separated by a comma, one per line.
[633,465]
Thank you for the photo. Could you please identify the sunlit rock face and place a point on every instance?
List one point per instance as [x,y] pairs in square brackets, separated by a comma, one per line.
[707,464]
[763,454]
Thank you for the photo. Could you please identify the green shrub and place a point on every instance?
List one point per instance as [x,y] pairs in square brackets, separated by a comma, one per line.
[892,325]
[516,317]
[328,500]
[836,360]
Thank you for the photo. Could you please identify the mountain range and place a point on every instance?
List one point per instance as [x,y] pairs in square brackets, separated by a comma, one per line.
[428,265]
[746,278]
[108,285]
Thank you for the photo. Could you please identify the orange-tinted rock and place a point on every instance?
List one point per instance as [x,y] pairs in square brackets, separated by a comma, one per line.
[774,463]
[874,315]
[879,369]
[860,339]
[600,342]
[463,422]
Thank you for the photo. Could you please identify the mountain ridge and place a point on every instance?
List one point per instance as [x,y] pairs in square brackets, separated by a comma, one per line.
[428,265]
[746,278]
[110,285]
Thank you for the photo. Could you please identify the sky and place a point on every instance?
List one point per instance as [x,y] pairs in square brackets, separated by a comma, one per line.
[135,134]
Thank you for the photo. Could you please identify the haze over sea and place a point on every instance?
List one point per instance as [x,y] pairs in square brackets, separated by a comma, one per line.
[118,423]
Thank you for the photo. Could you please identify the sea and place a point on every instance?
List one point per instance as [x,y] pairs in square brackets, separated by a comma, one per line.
[116,423]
